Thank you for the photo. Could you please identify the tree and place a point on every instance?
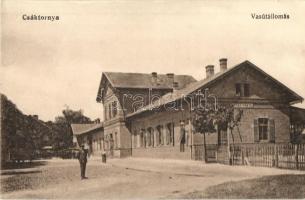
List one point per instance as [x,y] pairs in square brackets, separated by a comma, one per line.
[210,118]
[63,137]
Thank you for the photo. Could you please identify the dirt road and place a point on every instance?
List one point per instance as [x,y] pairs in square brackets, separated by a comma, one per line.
[123,178]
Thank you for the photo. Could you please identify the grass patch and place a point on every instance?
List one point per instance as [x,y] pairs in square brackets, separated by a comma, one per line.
[279,186]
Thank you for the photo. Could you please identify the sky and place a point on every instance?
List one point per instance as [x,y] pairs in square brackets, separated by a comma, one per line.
[47,65]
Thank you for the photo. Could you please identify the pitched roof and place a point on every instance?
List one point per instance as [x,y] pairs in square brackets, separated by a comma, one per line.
[297,114]
[142,80]
[79,129]
[178,94]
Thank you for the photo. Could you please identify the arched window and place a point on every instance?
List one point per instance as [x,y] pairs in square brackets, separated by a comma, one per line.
[116,142]
[142,138]
[169,139]
[114,107]
[151,136]
[148,138]
[109,110]
[160,139]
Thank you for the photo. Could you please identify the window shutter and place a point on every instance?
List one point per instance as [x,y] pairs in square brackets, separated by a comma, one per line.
[256,132]
[271,127]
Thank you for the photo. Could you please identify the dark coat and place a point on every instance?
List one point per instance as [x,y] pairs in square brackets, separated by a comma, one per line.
[82,156]
[182,135]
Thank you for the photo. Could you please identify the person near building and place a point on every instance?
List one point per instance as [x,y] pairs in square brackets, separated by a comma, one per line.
[82,158]
[182,136]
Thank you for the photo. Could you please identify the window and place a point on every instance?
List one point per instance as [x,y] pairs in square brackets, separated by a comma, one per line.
[93,145]
[148,138]
[151,135]
[223,137]
[168,133]
[263,128]
[246,90]
[116,140]
[141,139]
[105,112]
[109,111]
[238,89]
[160,140]
[111,142]
[114,107]
[100,144]
[242,89]
[170,127]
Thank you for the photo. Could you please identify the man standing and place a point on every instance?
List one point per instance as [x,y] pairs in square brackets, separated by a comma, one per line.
[182,136]
[82,158]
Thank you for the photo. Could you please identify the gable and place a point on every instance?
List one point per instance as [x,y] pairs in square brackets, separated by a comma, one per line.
[108,91]
[222,84]
[105,89]
[262,85]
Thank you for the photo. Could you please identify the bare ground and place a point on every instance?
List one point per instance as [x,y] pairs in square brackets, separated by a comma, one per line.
[125,178]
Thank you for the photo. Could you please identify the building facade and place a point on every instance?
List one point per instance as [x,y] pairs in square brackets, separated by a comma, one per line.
[149,115]
[297,125]
[89,135]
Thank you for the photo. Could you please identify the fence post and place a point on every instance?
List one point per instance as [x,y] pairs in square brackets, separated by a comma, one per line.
[216,154]
[276,159]
[242,156]
[296,153]
[228,143]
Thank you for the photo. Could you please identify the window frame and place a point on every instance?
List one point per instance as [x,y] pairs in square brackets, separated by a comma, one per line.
[263,129]
[242,89]
[238,88]
[246,94]
[114,108]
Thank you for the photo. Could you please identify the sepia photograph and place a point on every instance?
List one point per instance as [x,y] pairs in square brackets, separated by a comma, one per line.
[156,99]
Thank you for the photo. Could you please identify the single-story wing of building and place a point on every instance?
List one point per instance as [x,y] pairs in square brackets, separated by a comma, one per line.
[89,135]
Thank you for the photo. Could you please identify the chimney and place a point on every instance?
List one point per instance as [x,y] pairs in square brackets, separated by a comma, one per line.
[209,71]
[175,85]
[223,64]
[170,79]
[154,78]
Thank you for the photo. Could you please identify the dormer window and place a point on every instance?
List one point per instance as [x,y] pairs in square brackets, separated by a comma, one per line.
[242,89]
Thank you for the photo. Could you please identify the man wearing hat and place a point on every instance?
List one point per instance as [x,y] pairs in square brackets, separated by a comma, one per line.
[82,158]
[182,136]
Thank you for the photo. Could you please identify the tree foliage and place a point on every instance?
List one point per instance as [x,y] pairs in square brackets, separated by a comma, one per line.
[62,125]
[208,119]
[211,119]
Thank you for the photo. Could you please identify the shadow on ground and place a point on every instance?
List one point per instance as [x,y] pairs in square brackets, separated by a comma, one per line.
[278,186]
[24,165]
[19,173]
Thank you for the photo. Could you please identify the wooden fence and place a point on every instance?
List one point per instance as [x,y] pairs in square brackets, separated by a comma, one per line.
[288,156]
[211,151]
